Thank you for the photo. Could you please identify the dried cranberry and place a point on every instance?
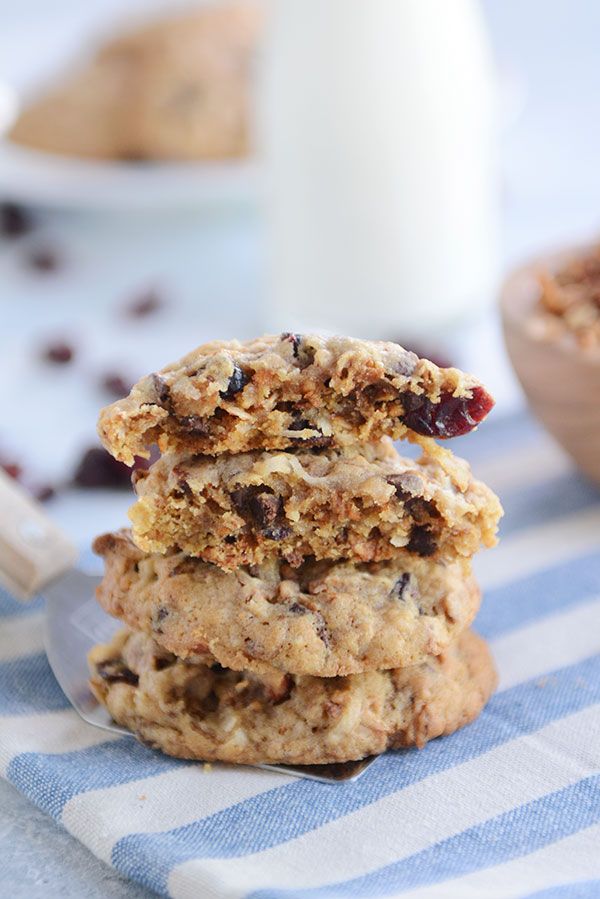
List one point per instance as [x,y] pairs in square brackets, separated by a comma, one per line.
[44,493]
[237,382]
[43,260]
[60,353]
[98,469]
[452,416]
[116,385]
[15,221]
[12,469]
[146,304]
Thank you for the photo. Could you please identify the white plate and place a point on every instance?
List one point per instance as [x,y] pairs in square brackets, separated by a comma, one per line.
[44,179]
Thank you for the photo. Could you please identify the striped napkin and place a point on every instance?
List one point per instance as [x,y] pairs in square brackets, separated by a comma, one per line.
[509,807]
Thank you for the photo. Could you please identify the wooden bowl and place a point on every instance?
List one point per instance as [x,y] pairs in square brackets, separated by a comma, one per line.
[561,381]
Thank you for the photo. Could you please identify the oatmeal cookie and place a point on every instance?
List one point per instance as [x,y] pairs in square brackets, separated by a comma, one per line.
[568,308]
[322,618]
[365,504]
[291,392]
[198,711]
[179,88]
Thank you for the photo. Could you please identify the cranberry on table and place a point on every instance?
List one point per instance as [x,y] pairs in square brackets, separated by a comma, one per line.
[145,304]
[116,385]
[43,260]
[15,220]
[97,468]
[12,469]
[59,353]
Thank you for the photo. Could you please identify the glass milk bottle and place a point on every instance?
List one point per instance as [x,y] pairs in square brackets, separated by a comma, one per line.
[377,128]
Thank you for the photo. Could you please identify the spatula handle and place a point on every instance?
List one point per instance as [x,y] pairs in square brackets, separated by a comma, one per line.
[33,550]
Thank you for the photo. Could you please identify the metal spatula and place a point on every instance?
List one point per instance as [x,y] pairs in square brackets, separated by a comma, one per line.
[36,557]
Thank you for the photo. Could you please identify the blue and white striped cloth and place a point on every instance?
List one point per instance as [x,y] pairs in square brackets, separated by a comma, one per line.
[509,807]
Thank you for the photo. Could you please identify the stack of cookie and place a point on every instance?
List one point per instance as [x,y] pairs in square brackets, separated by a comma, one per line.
[295,591]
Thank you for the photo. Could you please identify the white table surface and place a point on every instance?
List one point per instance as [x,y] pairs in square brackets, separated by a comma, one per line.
[208,269]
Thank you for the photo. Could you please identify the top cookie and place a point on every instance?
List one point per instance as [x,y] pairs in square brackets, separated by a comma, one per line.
[291,391]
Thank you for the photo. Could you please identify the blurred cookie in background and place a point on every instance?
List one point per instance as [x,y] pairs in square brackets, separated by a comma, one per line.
[179,88]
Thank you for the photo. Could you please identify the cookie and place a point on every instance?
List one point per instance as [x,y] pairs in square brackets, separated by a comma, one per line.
[365,504]
[179,88]
[291,392]
[322,618]
[82,117]
[192,96]
[195,711]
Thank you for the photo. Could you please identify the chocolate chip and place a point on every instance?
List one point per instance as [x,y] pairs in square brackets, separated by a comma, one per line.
[193,425]
[200,706]
[237,382]
[15,221]
[230,539]
[400,586]
[59,353]
[161,613]
[161,391]
[210,703]
[297,608]
[162,662]
[422,541]
[319,439]
[217,668]
[115,671]
[258,506]
[380,392]
[300,424]
[422,510]
[294,339]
